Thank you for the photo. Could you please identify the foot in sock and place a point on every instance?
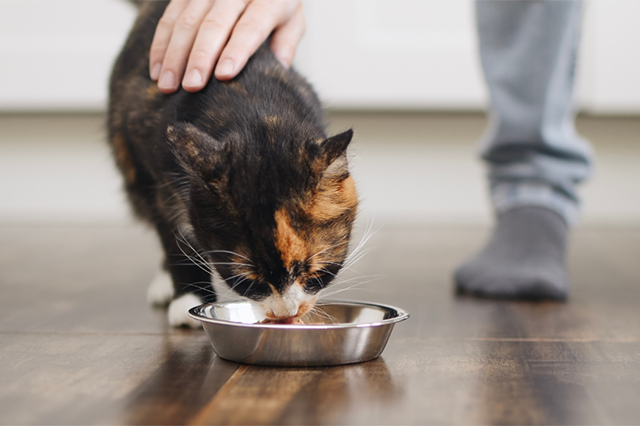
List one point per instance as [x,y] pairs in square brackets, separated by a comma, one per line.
[524,259]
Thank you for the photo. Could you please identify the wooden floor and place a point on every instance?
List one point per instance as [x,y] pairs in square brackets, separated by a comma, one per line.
[78,344]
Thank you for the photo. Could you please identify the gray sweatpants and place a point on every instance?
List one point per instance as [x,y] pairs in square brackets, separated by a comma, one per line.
[528,51]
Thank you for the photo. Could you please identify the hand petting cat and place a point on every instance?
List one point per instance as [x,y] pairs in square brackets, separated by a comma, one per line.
[193,36]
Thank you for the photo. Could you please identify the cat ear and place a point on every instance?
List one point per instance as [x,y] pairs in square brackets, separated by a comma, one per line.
[194,150]
[334,147]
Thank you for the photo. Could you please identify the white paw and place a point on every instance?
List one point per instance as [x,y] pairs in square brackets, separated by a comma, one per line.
[160,290]
[178,311]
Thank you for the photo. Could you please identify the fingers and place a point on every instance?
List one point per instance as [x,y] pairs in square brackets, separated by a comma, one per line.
[182,39]
[193,34]
[213,34]
[285,38]
[162,36]
[253,28]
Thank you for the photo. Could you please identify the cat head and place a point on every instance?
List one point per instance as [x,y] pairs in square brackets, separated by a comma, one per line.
[273,215]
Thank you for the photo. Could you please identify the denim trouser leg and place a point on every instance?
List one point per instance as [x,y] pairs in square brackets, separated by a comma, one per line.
[528,51]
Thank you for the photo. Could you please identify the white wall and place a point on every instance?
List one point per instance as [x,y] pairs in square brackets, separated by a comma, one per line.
[393,54]
[610,57]
[408,167]
[57,54]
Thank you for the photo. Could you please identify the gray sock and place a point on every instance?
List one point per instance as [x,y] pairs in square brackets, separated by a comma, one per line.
[524,258]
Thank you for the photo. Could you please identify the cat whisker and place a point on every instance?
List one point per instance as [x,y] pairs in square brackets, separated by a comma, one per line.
[187,243]
[356,255]
[213,263]
[326,262]
[203,287]
[352,288]
[250,286]
[178,181]
[369,278]
[231,298]
[236,284]
[323,251]
[328,272]
[324,314]
[317,280]
[229,263]
[202,265]
[228,252]
[352,283]
[350,262]
[315,310]
[368,233]
[241,274]
[335,288]
[176,214]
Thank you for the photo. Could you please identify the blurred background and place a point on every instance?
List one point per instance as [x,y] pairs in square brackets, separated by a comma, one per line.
[404,74]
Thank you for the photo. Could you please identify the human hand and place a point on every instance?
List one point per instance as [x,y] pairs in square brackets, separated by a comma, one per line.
[193,35]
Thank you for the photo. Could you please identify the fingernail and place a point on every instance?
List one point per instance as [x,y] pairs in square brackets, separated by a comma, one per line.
[225,67]
[193,79]
[155,71]
[280,57]
[284,64]
[167,81]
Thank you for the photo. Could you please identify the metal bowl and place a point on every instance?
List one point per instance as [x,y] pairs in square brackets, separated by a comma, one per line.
[335,333]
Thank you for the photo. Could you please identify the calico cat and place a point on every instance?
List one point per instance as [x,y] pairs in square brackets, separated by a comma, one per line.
[238,179]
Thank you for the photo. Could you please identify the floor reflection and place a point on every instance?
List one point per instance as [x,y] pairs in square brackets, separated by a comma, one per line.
[297,395]
[193,385]
[343,394]
[538,380]
[175,392]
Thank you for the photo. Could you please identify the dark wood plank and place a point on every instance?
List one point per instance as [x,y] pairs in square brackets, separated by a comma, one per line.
[78,345]
[84,278]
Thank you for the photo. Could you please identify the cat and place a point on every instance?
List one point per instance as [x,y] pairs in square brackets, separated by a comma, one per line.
[239,180]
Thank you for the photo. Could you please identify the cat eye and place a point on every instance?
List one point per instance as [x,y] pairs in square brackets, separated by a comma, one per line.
[316,282]
[252,289]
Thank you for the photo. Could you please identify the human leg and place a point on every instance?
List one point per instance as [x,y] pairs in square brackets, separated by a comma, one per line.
[535,157]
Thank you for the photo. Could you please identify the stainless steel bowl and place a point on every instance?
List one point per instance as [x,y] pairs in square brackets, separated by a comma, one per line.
[335,333]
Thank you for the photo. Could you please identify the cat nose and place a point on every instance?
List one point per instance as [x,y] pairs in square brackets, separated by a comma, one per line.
[283,311]
[285,304]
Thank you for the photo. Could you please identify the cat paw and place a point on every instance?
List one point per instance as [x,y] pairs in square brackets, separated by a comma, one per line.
[178,309]
[160,290]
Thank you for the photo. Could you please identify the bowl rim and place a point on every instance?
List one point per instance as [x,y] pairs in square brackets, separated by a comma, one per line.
[402,315]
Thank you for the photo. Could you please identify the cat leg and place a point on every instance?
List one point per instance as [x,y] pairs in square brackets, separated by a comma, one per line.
[179,308]
[161,291]
[191,282]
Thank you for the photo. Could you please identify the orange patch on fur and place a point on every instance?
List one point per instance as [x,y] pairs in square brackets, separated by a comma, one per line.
[251,276]
[152,90]
[191,149]
[332,200]
[348,190]
[292,248]
[123,158]
[187,142]
[305,307]
[239,87]
[271,120]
